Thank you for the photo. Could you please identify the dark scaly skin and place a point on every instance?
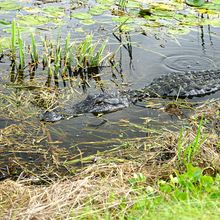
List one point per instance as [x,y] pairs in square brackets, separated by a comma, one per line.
[183,85]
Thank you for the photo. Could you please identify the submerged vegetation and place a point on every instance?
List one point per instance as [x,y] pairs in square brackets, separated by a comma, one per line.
[145,169]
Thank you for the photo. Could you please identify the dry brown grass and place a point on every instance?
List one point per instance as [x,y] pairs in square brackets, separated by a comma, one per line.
[94,186]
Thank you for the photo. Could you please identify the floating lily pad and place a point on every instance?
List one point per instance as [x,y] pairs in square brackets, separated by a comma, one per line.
[32,10]
[195,3]
[21,29]
[81,15]
[54,11]
[163,13]
[122,19]
[106,2]
[5,43]
[79,30]
[165,7]
[36,20]
[178,31]
[211,7]
[98,9]
[212,22]
[32,20]
[87,22]
[132,4]
[9,5]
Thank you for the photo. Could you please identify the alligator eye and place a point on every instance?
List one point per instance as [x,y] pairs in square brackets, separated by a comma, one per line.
[98,101]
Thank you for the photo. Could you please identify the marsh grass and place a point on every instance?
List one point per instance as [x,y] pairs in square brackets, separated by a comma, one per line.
[122,4]
[139,178]
[21,65]
[13,41]
[88,55]
[33,51]
[141,187]
[61,60]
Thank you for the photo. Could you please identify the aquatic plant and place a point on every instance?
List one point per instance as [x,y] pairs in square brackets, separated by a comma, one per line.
[60,59]
[21,52]
[68,57]
[33,50]
[57,60]
[190,150]
[13,40]
[122,4]
[87,54]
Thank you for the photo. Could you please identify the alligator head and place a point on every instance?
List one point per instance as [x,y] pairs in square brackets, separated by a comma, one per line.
[101,103]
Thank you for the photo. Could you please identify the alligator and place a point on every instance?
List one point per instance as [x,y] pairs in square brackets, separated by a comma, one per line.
[182,85]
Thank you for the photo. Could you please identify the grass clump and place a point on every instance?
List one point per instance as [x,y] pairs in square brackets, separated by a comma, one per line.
[65,60]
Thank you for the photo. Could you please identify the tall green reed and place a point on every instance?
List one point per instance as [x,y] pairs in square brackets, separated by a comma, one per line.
[13,41]
[190,150]
[33,51]
[21,52]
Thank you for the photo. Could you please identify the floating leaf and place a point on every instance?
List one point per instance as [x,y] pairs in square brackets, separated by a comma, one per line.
[106,2]
[87,22]
[32,20]
[178,31]
[32,10]
[79,30]
[9,5]
[54,11]
[132,4]
[5,43]
[163,6]
[122,19]
[36,20]
[98,9]
[195,3]
[81,15]
[21,29]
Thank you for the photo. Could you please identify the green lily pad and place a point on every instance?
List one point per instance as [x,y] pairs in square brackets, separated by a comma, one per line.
[106,2]
[163,13]
[98,9]
[21,29]
[195,3]
[132,4]
[213,22]
[9,5]
[165,6]
[122,19]
[211,7]
[5,43]
[79,30]
[81,15]
[178,31]
[54,11]
[32,20]
[36,20]
[87,22]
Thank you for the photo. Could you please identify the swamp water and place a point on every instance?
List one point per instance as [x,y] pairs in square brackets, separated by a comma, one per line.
[141,52]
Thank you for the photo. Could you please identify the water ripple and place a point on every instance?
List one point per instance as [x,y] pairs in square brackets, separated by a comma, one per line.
[188,62]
